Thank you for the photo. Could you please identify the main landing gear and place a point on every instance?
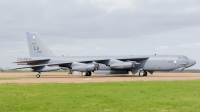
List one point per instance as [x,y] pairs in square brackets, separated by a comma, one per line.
[142,73]
[86,73]
[38,75]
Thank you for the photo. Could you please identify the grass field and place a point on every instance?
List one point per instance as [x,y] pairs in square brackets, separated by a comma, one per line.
[136,96]
[8,78]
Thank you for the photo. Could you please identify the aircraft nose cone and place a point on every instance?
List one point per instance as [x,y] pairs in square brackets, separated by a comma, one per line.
[192,62]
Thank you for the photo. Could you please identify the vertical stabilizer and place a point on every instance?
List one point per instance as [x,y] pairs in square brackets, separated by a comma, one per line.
[36,46]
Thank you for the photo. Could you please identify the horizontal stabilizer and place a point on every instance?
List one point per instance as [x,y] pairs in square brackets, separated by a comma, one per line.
[32,61]
[29,66]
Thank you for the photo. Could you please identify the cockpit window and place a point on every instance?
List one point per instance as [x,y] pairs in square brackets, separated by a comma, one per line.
[183,57]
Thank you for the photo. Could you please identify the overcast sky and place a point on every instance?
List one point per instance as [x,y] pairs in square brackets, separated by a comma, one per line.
[101,27]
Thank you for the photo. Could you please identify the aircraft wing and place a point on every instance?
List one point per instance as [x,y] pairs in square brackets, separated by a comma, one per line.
[133,59]
[37,63]
[97,60]
[59,63]
[120,59]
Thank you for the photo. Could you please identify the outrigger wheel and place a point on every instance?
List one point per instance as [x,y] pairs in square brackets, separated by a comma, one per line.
[38,75]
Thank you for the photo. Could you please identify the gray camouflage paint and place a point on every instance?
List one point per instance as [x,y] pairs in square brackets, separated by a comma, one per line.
[42,59]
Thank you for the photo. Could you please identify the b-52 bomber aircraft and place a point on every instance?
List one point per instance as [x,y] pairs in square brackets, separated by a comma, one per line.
[43,60]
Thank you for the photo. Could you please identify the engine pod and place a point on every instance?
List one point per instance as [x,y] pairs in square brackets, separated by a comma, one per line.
[85,67]
[123,65]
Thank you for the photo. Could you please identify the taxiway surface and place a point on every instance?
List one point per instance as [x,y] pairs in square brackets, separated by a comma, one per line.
[54,77]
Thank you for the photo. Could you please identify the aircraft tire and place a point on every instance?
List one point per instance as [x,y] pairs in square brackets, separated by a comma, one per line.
[38,75]
[141,73]
[84,73]
[145,73]
[89,73]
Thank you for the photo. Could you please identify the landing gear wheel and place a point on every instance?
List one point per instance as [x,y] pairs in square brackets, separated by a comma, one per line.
[142,73]
[89,73]
[145,73]
[84,73]
[38,75]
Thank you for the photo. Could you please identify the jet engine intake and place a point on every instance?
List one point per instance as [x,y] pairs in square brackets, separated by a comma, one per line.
[123,65]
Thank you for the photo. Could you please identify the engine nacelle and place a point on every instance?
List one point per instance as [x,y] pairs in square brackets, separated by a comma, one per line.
[123,65]
[85,67]
[47,69]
